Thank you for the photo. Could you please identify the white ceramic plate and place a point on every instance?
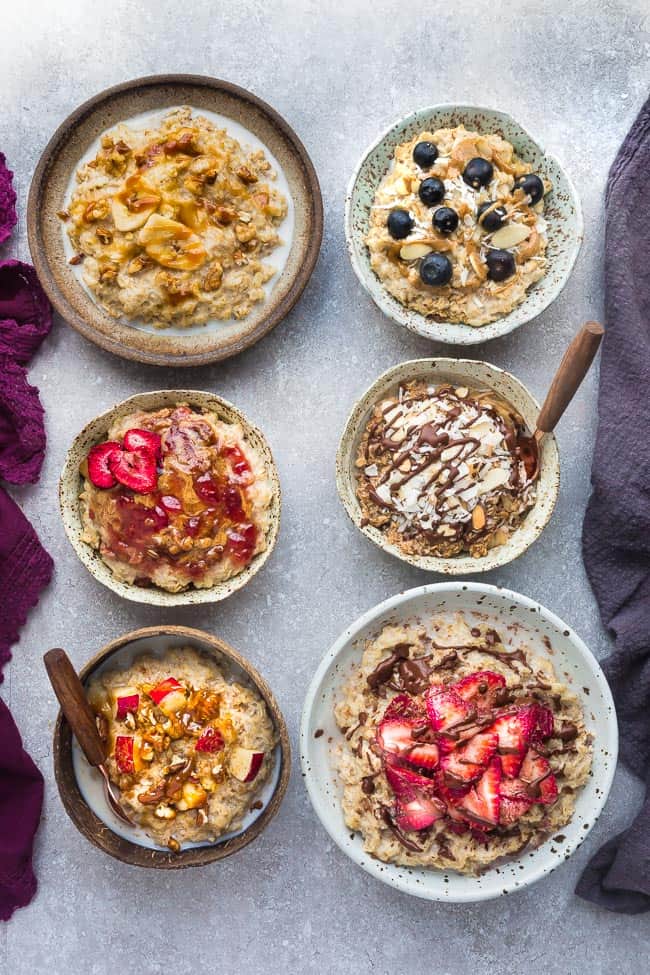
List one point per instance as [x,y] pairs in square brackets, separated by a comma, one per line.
[575,666]
[562,212]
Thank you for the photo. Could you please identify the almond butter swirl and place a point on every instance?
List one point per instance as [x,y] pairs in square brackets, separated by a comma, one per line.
[440,470]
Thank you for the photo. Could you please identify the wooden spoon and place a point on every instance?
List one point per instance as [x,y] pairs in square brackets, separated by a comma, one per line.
[572,370]
[74,704]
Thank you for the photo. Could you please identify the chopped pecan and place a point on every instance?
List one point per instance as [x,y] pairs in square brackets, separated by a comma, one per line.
[246,175]
[212,280]
[226,215]
[104,235]
[153,796]
[77,259]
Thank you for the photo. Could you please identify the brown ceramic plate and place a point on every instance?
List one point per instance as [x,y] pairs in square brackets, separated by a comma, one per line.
[177,347]
[94,828]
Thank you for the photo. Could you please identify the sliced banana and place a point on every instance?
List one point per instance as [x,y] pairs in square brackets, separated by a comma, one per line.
[133,205]
[172,244]
[510,235]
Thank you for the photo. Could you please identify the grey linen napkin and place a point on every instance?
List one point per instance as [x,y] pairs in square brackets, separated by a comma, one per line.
[616,531]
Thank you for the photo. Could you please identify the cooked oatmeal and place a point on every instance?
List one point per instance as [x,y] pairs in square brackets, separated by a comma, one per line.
[458,750]
[175,498]
[173,223]
[457,230]
[441,471]
[188,748]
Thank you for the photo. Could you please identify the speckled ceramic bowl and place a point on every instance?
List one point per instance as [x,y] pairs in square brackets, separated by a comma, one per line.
[71,482]
[71,142]
[80,786]
[461,372]
[547,636]
[562,211]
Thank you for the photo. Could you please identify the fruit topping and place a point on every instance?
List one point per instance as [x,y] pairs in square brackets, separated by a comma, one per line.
[136,439]
[425,154]
[127,755]
[419,813]
[479,687]
[436,269]
[514,729]
[135,469]
[399,223]
[99,457]
[537,775]
[490,216]
[169,691]
[426,755]
[481,804]
[544,723]
[515,803]
[127,700]
[532,186]
[172,244]
[405,783]
[404,706]
[395,736]
[210,740]
[446,709]
[431,191]
[501,265]
[244,763]
[478,172]
[445,220]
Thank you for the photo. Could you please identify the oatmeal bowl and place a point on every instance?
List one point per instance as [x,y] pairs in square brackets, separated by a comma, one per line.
[436,465]
[459,225]
[174,219]
[171,498]
[195,746]
[458,741]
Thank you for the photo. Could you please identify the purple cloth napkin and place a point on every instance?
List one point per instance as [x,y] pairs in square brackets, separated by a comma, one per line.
[21,800]
[616,531]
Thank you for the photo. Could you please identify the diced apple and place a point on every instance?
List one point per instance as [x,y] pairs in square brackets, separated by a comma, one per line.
[244,763]
[126,701]
[169,695]
[194,795]
[127,754]
[210,740]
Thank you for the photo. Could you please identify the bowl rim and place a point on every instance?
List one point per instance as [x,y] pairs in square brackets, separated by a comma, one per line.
[97,832]
[415,321]
[154,595]
[452,566]
[390,874]
[39,251]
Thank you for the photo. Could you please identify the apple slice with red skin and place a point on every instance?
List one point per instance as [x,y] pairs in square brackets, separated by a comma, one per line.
[127,700]
[127,754]
[210,740]
[169,695]
[244,763]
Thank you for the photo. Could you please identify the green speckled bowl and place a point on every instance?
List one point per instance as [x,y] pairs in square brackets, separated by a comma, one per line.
[70,487]
[562,212]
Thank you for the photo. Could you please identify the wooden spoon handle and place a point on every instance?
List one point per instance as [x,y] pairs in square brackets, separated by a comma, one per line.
[572,370]
[74,704]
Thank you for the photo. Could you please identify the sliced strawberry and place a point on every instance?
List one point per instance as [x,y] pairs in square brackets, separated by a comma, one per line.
[479,688]
[451,796]
[99,470]
[135,470]
[426,755]
[395,736]
[544,723]
[210,740]
[481,804]
[446,708]
[458,773]
[404,706]
[479,749]
[512,809]
[510,764]
[137,439]
[514,729]
[418,813]
[540,781]
[407,784]
[548,791]
[458,827]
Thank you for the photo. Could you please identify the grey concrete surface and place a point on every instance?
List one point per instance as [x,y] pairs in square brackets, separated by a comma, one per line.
[575,74]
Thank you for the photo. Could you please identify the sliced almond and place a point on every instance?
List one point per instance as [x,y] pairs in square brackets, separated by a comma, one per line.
[510,235]
[478,518]
[413,252]
[494,478]
[461,392]
[450,452]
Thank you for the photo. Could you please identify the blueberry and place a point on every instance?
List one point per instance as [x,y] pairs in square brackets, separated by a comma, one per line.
[431,191]
[501,265]
[478,172]
[492,220]
[532,187]
[400,224]
[425,154]
[435,269]
[445,220]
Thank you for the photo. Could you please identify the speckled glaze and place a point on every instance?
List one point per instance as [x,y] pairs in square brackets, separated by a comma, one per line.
[59,160]
[119,652]
[461,372]
[575,666]
[71,482]
[561,209]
